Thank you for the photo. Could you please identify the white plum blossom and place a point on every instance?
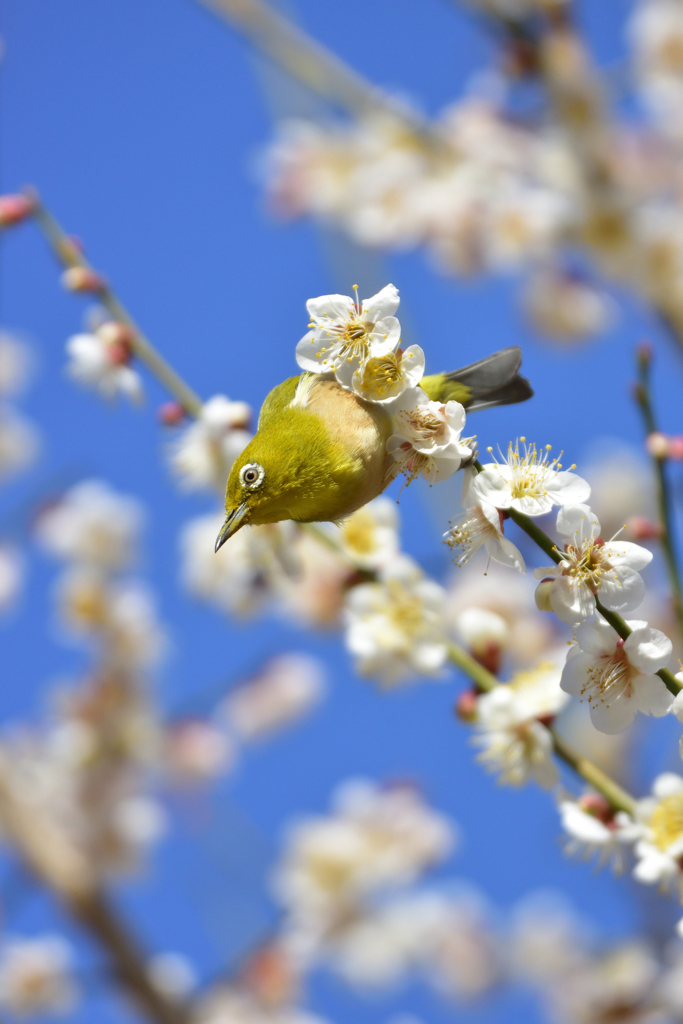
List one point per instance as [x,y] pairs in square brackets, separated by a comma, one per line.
[618,677]
[529,482]
[197,751]
[511,733]
[36,976]
[369,537]
[593,830]
[658,835]
[394,627]
[92,524]
[102,365]
[427,442]
[346,332]
[566,307]
[19,442]
[11,575]
[15,365]
[286,689]
[203,454]
[481,525]
[384,378]
[593,567]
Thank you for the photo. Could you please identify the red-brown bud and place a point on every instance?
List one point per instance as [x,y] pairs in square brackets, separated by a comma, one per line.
[466,706]
[171,414]
[641,528]
[14,209]
[597,807]
[82,279]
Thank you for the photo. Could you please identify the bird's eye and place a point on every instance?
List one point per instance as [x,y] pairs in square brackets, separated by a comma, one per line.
[252,475]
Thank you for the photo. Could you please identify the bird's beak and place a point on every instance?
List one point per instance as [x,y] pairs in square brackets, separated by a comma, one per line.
[234,520]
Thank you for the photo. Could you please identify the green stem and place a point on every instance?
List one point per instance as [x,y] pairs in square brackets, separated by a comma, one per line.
[69,256]
[617,797]
[644,400]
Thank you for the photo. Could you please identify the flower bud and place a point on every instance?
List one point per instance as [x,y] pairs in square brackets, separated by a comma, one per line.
[14,209]
[596,806]
[114,333]
[171,414]
[657,445]
[465,706]
[642,528]
[485,634]
[542,595]
[82,279]
[676,448]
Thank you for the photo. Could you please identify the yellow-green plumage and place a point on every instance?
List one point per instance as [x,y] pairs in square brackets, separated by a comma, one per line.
[319,453]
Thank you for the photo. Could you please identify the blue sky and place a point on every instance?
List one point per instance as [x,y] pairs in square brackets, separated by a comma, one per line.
[141,123]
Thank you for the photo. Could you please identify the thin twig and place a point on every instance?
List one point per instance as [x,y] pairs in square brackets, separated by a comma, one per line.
[643,395]
[69,255]
[615,795]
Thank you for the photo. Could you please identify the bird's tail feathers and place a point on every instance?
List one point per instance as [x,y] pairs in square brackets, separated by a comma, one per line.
[494,380]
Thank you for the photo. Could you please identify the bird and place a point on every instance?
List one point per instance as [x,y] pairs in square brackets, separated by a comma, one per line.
[319,453]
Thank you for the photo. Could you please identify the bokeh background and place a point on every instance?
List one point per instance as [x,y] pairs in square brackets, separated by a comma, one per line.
[143,124]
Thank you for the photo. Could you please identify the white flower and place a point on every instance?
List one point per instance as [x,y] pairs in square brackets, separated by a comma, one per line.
[566,307]
[286,689]
[385,378]
[346,332]
[243,578]
[427,442]
[203,454]
[617,677]
[97,363]
[369,537]
[36,976]
[591,567]
[592,830]
[395,626]
[172,974]
[480,525]
[93,525]
[19,442]
[529,482]
[512,739]
[482,630]
[658,830]
[15,365]
[198,751]
[11,576]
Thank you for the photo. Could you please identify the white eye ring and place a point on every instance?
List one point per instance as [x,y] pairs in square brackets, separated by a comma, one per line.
[251,475]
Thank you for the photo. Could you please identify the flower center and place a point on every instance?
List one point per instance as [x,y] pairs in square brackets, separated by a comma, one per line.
[404,610]
[469,533]
[609,679]
[586,563]
[360,533]
[425,423]
[381,373]
[666,823]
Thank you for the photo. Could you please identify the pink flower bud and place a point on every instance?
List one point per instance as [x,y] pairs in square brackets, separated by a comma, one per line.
[597,807]
[119,353]
[82,279]
[14,209]
[641,528]
[657,445]
[542,595]
[112,332]
[676,448]
[171,413]
[466,706]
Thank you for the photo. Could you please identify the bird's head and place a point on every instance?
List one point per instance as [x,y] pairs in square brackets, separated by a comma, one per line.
[251,490]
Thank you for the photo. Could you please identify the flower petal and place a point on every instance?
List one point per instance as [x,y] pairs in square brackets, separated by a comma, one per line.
[651,695]
[568,489]
[575,673]
[571,601]
[597,636]
[622,592]
[383,304]
[491,486]
[577,523]
[330,307]
[648,649]
[503,550]
[615,717]
[624,553]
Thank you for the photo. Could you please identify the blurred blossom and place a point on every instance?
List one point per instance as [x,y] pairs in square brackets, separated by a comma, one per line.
[94,525]
[203,453]
[231,1005]
[511,733]
[286,689]
[622,485]
[172,974]
[566,307]
[593,830]
[121,616]
[11,576]
[246,574]
[509,596]
[485,635]
[197,751]
[375,838]
[100,361]
[36,976]
[615,986]
[658,835]
[314,590]
[529,482]
[465,958]
[15,365]
[369,537]
[546,940]
[394,627]
[19,442]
